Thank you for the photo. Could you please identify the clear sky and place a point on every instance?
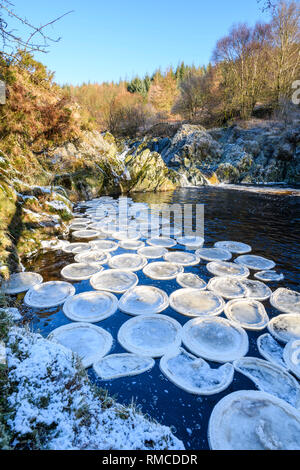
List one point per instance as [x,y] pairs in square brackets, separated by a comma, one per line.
[113,39]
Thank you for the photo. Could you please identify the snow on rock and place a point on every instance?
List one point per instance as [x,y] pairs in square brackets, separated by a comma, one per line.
[53,398]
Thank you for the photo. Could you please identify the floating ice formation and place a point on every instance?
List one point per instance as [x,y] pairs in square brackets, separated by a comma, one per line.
[20,282]
[162,270]
[191,242]
[127,262]
[90,307]
[258,263]
[161,241]
[80,271]
[190,280]
[227,287]
[122,365]
[150,335]
[105,245]
[196,302]
[77,227]
[89,341]
[249,314]
[213,254]
[49,294]
[270,378]
[215,339]
[77,247]
[93,256]
[291,354]
[54,244]
[131,244]
[286,300]
[256,289]
[114,280]
[285,327]
[271,350]
[269,276]
[85,234]
[152,252]
[234,247]
[227,269]
[182,257]
[141,300]
[194,375]
[252,420]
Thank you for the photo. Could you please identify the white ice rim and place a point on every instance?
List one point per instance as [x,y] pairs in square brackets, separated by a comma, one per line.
[180,280]
[263,364]
[140,264]
[107,245]
[278,318]
[263,276]
[213,254]
[84,257]
[190,291]
[34,291]
[216,430]
[87,362]
[165,242]
[291,355]
[213,266]
[163,364]
[145,359]
[244,260]
[213,286]
[195,242]
[220,357]
[85,234]
[72,246]
[252,302]
[94,269]
[129,244]
[36,279]
[124,335]
[265,354]
[275,303]
[114,272]
[193,259]
[164,300]
[68,307]
[144,251]
[148,270]
[234,247]
[249,294]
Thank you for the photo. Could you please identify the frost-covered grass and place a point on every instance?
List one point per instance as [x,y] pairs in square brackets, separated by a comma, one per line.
[53,405]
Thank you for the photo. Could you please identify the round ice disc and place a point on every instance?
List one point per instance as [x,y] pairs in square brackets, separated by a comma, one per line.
[286,300]
[182,257]
[234,247]
[195,302]
[142,300]
[93,256]
[253,420]
[81,220]
[162,270]
[152,252]
[227,287]
[89,341]
[269,276]
[85,234]
[114,280]
[190,280]
[131,244]
[76,227]
[247,313]
[213,254]
[49,294]
[193,374]
[122,365]
[228,269]
[256,289]
[291,355]
[150,335]
[165,242]
[125,235]
[130,262]
[80,271]
[270,378]
[78,247]
[91,306]
[258,263]
[105,245]
[215,339]
[285,327]
[192,242]
[271,350]
[20,282]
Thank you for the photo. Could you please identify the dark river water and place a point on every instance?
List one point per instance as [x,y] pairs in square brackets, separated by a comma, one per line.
[268,222]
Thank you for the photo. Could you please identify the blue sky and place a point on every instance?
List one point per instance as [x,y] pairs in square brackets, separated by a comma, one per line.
[113,39]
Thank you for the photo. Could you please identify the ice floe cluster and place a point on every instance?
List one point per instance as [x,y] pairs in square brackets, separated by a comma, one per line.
[222,311]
